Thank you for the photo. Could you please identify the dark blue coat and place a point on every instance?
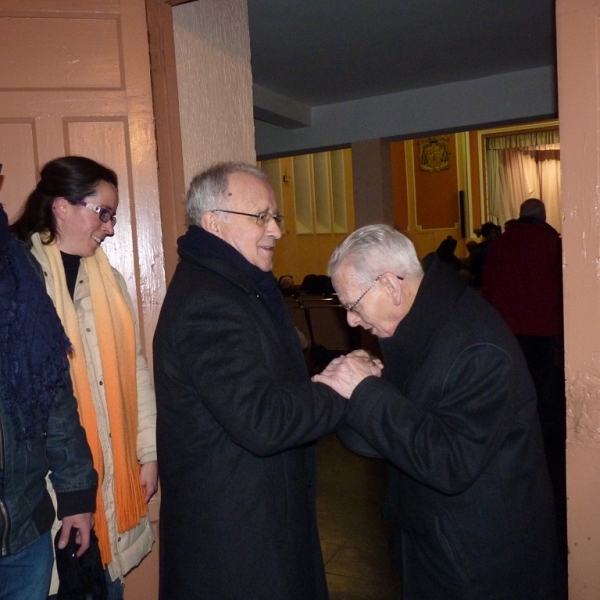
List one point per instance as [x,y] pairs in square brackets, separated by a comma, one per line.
[59,446]
[456,418]
[237,416]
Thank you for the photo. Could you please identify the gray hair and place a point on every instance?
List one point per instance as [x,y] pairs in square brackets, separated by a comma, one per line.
[207,189]
[533,208]
[374,249]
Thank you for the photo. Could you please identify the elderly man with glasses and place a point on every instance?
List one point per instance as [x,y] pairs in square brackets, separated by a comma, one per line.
[237,413]
[454,416]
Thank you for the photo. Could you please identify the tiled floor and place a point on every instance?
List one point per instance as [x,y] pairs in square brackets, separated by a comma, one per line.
[353,539]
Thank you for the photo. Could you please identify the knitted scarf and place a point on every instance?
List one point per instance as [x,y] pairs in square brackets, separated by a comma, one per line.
[33,344]
[116,341]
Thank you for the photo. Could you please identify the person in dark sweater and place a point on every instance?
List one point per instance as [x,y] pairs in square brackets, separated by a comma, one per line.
[40,431]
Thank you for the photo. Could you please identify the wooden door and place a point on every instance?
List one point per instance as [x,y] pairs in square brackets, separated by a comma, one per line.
[75,79]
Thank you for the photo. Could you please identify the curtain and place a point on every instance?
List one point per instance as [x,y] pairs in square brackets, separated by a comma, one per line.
[548,163]
[523,166]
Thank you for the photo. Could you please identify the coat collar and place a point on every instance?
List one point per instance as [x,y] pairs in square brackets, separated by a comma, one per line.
[436,298]
[212,253]
[219,265]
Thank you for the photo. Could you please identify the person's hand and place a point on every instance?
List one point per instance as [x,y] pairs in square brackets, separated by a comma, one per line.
[84,523]
[149,479]
[367,357]
[343,374]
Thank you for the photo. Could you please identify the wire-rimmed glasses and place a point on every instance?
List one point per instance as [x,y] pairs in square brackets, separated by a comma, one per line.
[352,307]
[263,218]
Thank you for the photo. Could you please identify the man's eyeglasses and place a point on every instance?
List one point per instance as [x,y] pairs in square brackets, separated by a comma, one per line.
[352,307]
[262,218]
[104,214]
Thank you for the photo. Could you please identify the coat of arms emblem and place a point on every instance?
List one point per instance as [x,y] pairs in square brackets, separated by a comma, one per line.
[434,155]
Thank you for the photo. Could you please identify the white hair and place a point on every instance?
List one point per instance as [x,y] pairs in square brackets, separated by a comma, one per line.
[207,189]
[374,249]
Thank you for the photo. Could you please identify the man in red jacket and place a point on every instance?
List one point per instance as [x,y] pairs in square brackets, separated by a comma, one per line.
[523,275]
[522,279]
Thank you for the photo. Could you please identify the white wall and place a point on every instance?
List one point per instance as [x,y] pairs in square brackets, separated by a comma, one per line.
[212,46]
[528,95]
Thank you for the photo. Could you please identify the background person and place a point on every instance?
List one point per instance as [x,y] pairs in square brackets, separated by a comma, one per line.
[237,412]
[455,417]
[523,282]
[446,253]
[65,220]
[489,232]
[40,431]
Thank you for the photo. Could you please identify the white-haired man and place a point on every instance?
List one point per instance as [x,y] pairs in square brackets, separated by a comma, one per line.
[237,412]
[455,417]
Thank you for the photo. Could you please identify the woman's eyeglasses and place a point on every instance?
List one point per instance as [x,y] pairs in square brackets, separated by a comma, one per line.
[104,214]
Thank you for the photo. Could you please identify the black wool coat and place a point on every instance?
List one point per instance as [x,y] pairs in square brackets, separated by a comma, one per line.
[455,416]
[236,425]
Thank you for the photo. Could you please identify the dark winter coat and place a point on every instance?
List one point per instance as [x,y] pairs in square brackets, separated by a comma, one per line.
[59,446]
[456,418]
[50,441]
[237,418]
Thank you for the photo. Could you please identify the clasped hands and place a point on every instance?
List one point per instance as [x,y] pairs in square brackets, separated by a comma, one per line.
[344,373]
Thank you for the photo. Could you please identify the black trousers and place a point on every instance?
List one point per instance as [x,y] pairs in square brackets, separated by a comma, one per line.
[544,356]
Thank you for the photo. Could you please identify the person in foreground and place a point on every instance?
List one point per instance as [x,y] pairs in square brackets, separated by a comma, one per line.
[237,412]
[455,417]
[39,431]
[65,220]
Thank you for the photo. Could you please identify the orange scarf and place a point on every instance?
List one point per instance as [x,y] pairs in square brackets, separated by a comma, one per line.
[116,340]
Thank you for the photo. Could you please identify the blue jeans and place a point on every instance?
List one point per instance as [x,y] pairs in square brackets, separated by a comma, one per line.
[115,588]
[26,575]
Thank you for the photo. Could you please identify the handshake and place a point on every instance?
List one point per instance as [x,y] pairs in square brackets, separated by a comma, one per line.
[344,373]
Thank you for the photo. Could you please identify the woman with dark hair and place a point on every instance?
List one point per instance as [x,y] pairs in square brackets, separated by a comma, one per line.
[71,178]
[64,222]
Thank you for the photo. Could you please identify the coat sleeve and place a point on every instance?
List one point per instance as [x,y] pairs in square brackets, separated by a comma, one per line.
[224,357]
[71,470]
[146,437]
[445,435]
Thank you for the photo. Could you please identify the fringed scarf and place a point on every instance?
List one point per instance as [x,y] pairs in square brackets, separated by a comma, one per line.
[33,344]
[116,340]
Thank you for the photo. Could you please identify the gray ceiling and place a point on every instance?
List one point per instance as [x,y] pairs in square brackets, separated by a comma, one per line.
[321,52]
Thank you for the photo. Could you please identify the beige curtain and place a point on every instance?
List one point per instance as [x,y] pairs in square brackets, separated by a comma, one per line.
[520,167]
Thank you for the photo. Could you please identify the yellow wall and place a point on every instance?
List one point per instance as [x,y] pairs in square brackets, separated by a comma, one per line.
[302,254]
[425,202]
